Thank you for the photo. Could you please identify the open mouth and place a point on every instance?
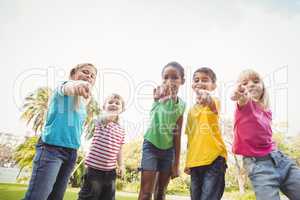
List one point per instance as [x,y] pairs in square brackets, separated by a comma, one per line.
[201,88]
[112,108]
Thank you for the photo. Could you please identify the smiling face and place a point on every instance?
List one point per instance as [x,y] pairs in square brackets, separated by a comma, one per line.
[113,105]
[253,85]
[85,73]
[171,77]
[202,81]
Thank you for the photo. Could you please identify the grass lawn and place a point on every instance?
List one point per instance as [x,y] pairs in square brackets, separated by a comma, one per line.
[17,191]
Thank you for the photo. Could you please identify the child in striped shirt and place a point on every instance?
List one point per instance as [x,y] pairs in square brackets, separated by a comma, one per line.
[105,155]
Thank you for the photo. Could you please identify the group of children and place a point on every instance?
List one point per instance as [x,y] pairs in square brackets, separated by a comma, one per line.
[269,170]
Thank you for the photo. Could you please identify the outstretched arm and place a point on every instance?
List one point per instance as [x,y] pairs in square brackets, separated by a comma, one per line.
[77,88]
[240,95]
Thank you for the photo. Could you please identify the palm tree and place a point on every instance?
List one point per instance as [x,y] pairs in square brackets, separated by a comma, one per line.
[25,152]
[34,112]
[35,108]
[93,110]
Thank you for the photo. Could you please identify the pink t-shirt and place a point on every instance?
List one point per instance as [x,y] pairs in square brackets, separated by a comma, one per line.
[252,131]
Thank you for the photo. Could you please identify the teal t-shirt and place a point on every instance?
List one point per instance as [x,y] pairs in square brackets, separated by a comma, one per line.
[64,123]
[164,116]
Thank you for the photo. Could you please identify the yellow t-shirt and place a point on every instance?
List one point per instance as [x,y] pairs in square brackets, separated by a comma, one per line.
[205,142]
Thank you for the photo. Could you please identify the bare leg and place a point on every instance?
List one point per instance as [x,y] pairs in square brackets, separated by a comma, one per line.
[161,185]
[147,185]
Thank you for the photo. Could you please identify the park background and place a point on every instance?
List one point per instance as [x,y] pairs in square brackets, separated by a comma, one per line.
[130,42]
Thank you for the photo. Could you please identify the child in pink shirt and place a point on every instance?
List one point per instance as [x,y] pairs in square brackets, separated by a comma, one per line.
[268,169]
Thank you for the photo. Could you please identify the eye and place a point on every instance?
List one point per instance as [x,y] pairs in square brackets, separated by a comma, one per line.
[196,80]
[174,77]
[85,71]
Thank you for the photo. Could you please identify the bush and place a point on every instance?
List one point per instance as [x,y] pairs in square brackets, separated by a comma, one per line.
[178,185]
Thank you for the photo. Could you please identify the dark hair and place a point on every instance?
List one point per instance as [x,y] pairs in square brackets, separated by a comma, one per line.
[79,66]
[208,71]
[177,66]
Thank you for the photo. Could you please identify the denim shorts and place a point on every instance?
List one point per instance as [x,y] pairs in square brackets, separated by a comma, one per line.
[273,173]
[154,159]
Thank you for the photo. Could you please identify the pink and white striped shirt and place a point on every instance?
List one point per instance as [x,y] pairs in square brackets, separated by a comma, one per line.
[106,144]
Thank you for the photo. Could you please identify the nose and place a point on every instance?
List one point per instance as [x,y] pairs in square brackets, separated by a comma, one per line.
[90,75]
[170,81]
[114,104]
[201,84]
[250,84]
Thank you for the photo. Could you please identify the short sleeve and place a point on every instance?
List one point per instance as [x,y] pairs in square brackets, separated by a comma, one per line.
[188,124]
[154,105]
[218,104]
[60,88]
[180,106]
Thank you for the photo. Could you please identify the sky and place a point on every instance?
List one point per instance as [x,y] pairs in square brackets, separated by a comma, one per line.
[131,41]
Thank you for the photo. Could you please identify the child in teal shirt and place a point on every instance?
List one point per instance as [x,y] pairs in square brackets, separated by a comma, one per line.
[56,151]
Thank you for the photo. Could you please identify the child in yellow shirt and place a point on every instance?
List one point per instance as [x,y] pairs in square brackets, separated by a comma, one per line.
[206,151]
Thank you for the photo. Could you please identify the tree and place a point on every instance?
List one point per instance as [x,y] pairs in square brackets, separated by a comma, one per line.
[6,155]
[75,179]
[25,152]
[35,108]
[239,172]
[93,110]
[34,112]
[289,145]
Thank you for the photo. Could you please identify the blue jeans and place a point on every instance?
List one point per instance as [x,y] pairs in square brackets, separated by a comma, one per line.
[98,185]
[208,182]
[272,173]
[154,159]
[52,167]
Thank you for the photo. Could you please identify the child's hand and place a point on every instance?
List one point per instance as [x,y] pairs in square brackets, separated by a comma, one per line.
[203,97]
[161,93]
[121,171]
[187,171]
[157,93]
[173,92]
[175,172]
[83,89]
[239,93]
[105,118]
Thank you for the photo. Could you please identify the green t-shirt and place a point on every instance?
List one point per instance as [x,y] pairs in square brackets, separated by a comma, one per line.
[164,116]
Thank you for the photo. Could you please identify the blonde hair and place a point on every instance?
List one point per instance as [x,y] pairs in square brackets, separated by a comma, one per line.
[116,96]
[249,73]
[72,73]
[79,66]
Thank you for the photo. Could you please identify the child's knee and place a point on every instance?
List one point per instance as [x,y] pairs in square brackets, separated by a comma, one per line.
[146,196]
